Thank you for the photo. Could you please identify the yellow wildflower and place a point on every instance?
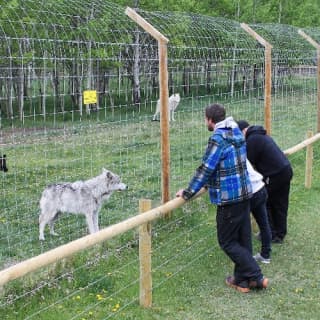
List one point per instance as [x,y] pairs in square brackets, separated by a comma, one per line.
[99,297]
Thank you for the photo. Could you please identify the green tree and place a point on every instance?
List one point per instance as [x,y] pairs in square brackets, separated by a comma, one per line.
[292,12]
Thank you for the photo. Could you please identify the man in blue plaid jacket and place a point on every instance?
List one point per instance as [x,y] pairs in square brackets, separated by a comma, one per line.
[223,171]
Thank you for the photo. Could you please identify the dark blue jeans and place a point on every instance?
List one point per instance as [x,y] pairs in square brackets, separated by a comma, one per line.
[234,236]
[259,211]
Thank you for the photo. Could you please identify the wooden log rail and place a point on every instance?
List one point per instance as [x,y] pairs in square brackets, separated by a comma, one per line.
[302,145]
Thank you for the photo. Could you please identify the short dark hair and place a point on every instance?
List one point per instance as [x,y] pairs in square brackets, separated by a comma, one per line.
[216,112]
[242,124]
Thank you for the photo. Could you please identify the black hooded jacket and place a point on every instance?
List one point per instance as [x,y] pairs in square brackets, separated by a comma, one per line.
[264,153]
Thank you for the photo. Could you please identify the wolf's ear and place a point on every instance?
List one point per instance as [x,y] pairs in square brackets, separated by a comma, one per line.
[105,172]
[109,175]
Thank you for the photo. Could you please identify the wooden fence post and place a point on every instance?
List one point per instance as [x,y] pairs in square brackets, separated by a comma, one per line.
[309,160]
[164,99]
[267,77]
[164,120]
[317,46]
[145,257]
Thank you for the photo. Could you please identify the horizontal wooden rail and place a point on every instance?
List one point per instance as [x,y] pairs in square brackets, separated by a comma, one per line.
[302,145]
[75,246]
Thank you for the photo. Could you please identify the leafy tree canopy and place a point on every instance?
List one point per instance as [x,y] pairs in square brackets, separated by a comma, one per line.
[292,12]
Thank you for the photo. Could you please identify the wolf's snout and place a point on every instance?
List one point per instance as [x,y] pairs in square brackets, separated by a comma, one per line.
[122,187]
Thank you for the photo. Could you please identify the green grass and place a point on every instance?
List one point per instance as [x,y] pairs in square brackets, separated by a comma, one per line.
[188,274]
[188,266]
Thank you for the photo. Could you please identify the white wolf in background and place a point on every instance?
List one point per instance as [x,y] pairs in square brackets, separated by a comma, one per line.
[173,104]
[80,197]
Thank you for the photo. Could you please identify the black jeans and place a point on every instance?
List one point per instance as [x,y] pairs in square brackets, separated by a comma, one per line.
[234,236]
[278,201]
[259,211]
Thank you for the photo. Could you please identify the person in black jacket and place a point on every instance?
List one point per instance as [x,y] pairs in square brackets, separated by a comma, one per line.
[268,159]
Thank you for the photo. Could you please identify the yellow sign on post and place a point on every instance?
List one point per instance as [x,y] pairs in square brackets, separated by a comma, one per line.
[89,96]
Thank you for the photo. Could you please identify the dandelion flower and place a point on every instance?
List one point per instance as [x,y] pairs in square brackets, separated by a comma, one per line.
[99,297]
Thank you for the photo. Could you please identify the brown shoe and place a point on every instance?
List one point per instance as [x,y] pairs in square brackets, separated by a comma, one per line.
[230,282]
[261,284]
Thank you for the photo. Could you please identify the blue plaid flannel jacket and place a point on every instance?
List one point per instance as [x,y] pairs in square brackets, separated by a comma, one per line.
[223,170]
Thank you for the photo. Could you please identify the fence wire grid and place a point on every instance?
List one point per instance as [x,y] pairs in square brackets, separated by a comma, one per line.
[50,54]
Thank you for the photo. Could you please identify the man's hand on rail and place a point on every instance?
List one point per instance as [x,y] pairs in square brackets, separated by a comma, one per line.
[179,193]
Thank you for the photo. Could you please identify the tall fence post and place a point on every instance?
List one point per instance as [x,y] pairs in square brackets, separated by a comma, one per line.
[309,161]
[317,46]
[164,99]
[164,120]
[268,75]
[145,257]
[267,88]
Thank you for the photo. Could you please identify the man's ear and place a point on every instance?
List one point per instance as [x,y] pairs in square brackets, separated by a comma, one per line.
[210,121]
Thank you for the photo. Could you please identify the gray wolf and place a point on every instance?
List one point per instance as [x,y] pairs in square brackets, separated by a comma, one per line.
[3,163]
[80,197]
[174,101]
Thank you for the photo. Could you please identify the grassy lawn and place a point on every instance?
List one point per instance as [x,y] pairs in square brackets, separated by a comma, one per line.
[188,273]
[188,266]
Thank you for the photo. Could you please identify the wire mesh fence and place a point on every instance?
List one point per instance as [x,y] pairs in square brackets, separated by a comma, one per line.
[294,82]
[50,54]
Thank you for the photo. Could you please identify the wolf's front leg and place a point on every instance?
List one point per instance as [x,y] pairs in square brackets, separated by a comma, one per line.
[42,225]
[96,221]
[51,226]
[172,116]
[90,222]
